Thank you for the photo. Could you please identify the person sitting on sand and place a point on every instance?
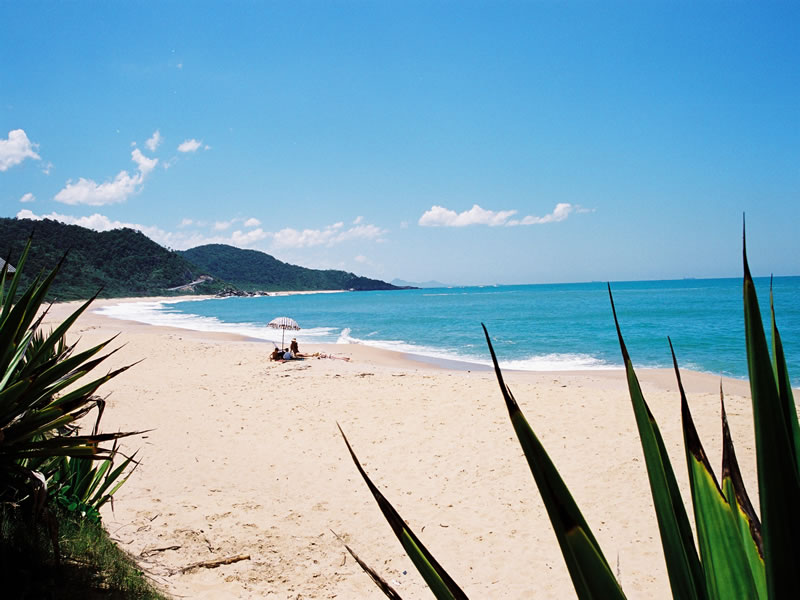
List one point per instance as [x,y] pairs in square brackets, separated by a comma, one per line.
[287,354]
[293,348]
[277,354]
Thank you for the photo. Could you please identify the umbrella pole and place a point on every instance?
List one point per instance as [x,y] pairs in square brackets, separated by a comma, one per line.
[283,333]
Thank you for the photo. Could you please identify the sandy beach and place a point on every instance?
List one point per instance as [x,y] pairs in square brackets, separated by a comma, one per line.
[244,457]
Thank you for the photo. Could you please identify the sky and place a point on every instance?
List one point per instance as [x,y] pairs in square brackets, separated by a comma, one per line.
[469,143]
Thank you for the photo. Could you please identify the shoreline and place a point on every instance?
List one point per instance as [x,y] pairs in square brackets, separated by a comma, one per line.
[372,355]
[244,456]
[415,358]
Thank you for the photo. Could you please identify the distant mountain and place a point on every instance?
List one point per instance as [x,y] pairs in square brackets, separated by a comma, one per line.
[122,262]
[424,284]
[253,270]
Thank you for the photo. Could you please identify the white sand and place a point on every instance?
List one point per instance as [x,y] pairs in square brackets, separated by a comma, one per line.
[244,457]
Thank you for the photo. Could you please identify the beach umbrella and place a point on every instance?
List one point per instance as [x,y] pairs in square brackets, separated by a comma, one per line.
[284,323]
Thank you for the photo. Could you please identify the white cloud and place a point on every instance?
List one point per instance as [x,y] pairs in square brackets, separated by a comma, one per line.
[364,232]
[27,198]
[438,216]
[96,221]
[100,222]
[46,168]
[361,259]
[190,146]
[560,212]
[188,234]
[16,149]
[154,141]
[247,238]
[223,225]
[330,236]
[88,191]
[145,164]
[180,240]
[358,220]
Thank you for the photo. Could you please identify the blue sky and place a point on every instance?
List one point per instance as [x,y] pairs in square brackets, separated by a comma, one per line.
[467,142]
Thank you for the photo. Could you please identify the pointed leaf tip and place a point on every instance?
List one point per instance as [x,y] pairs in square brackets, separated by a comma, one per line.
[511,403]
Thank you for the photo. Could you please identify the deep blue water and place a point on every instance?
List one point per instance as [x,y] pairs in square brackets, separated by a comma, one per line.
[536,327]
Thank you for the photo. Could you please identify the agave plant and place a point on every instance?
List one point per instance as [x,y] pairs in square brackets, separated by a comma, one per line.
[81,485]
[43,389]
[740,555]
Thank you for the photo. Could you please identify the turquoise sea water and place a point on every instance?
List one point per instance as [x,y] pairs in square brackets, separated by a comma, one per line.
[533,327]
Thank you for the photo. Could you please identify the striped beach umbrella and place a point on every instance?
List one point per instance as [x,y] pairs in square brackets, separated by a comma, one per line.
[284,323]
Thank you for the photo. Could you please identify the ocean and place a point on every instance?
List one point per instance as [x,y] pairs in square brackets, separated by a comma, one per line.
[533,327]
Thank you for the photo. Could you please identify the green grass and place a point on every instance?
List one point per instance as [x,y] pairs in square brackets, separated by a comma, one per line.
[91,565]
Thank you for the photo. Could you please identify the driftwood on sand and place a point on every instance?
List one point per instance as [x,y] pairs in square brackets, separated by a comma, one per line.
[213,564]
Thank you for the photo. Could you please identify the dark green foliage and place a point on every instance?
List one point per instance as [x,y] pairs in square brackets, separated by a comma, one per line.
[122,262]
[126,263]
[43,393]
[253,270]
[90,565]
[50,550]
[82,485]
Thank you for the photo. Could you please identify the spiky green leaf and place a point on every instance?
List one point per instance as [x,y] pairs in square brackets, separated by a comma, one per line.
[746,518]
[683,565]
[438,580]
[784,383]
[588,568]
[778,477]
[379,581]
[722,554]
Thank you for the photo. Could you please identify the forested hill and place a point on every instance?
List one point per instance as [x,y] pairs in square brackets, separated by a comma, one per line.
[254,270]
[122,262]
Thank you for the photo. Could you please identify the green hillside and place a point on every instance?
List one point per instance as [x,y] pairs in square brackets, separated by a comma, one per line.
[253,270]
[122,262]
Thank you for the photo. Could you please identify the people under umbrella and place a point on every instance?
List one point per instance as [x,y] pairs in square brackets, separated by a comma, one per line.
[290,353]
[293,353]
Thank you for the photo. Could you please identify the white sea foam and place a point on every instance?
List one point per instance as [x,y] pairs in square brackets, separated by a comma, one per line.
[446,294]
[159,313]
[558,362]
[542,362]
[466,293]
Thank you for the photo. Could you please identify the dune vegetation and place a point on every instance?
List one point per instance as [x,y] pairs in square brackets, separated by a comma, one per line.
[55,476]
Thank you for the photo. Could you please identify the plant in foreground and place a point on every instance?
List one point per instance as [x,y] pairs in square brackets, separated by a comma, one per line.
[43,392]
[91,565]
[740,555]
[82,485]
